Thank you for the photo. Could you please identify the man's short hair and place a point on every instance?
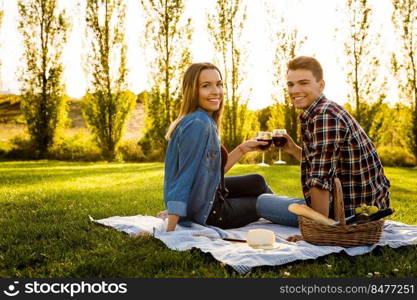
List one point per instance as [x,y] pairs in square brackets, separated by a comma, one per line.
[307,63]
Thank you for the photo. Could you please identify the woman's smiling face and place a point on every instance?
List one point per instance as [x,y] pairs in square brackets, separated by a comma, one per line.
[210,90]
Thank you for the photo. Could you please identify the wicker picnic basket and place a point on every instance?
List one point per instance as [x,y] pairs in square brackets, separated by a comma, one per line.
[342,234]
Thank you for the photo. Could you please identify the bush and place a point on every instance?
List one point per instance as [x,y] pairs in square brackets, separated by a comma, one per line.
[5,147]
[153,150]
[78,147]
[271,155]
[131,151]
[21,148]
[396,157]
[156,155]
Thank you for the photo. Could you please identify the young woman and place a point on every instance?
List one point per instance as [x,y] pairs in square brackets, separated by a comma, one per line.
[195,188]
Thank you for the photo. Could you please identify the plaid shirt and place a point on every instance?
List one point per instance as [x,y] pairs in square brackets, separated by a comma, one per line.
[334,145]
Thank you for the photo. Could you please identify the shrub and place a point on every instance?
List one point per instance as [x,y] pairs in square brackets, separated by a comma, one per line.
[396,156]
[5,147]
[78,147]
[131,151]
[270,156]
[156,155]
[152,149]
[21,147]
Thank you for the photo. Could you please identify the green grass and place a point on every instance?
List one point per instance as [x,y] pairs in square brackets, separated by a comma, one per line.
[45,230]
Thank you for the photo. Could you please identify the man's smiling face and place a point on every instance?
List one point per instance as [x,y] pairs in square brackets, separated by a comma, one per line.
[303,87]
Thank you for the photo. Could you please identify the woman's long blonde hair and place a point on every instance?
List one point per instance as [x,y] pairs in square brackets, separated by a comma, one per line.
[190,95]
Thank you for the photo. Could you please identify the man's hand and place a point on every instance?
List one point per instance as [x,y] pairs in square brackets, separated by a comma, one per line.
[292,148]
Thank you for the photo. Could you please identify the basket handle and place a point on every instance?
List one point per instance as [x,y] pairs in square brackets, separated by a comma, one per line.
[339,207]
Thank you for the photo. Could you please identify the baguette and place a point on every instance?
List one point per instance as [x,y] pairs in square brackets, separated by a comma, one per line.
[305,211]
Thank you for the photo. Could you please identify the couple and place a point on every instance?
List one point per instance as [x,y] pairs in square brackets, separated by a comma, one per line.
[333,145]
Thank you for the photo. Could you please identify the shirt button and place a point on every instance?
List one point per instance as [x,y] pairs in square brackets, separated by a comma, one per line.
[220,218]
[214,212]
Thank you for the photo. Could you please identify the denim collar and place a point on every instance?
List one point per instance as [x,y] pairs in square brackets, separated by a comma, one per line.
[306,114]
[199,108]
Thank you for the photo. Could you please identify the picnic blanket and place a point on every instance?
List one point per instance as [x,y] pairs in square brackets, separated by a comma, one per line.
[240,256]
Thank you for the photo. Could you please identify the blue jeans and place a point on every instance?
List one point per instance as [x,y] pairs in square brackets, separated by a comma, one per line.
[274,208]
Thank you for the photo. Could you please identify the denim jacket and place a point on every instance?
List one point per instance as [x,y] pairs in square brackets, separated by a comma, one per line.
[192,167]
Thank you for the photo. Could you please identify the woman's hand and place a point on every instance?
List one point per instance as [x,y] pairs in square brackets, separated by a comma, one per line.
[162,214]
[242,149]
[172,219]
[172,222]
[252,145]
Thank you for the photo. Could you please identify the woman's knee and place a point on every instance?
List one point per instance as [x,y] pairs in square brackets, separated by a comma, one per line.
[266,188]
[260,178]
[260,182]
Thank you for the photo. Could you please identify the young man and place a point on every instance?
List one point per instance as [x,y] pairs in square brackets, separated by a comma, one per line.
[333,145]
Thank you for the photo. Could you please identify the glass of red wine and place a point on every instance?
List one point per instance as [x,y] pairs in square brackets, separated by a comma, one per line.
[279,141]
[264,136]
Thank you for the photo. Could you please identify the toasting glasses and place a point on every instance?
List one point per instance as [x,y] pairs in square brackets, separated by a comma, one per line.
[279,141]
[264,136]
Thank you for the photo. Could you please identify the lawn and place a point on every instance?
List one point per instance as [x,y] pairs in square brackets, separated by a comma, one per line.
[46,231]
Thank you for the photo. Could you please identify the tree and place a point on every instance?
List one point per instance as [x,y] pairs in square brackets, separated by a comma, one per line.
[363,65]
[394,126]
[108,103]
[226,26]
[1,12]
[168,35]
[44,29]
[1,21]
[264,115]
[288,43]
[277,116]
[404,63]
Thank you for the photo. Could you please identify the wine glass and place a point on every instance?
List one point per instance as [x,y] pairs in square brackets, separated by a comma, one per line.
[279,141]
[264,136]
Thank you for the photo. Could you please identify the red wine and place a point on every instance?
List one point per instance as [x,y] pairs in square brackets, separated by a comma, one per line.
[264,147]
[279,141]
